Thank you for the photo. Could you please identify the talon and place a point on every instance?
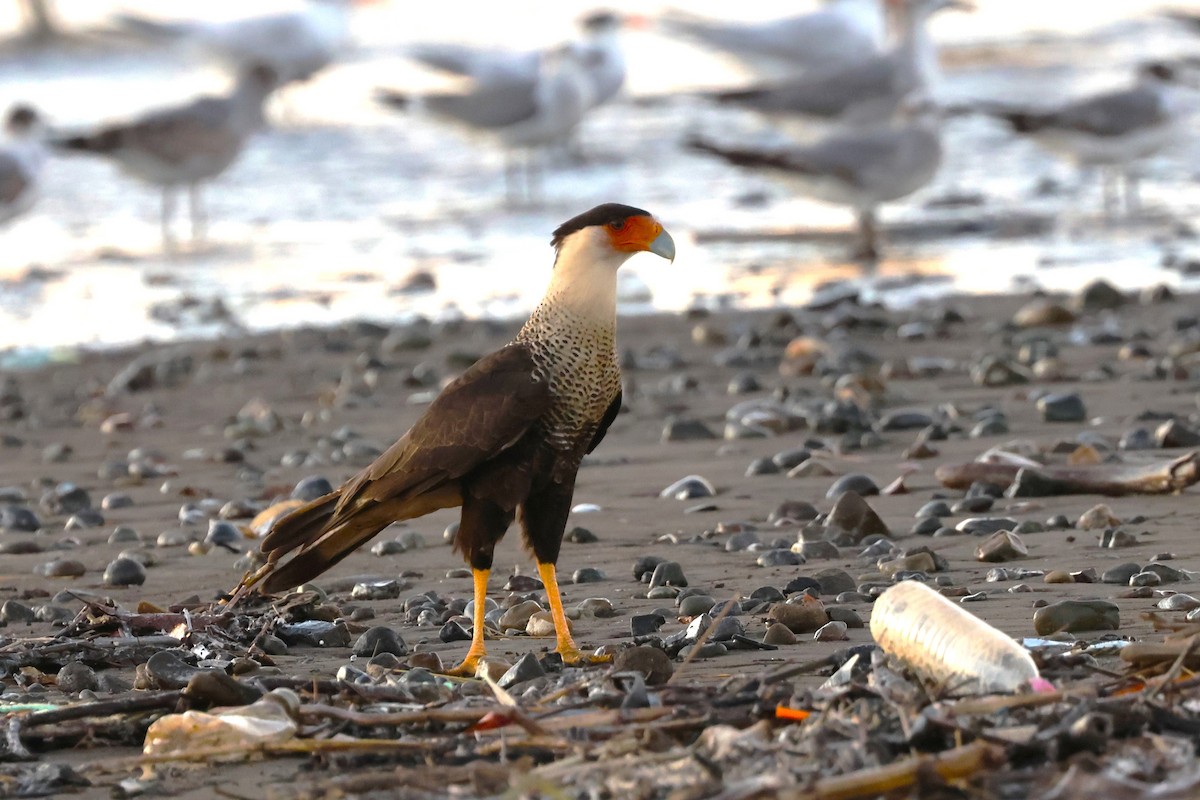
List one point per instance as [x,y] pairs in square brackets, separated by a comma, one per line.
[467,669]
[574,658]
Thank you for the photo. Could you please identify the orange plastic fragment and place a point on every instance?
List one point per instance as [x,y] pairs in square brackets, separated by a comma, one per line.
[792,714]
[490,722]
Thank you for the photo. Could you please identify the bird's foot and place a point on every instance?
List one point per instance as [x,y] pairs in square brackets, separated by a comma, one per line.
[572,657]
[468,668]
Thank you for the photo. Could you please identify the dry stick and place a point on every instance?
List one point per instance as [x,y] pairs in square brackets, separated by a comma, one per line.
[703,638]
[140,701]
[321,711]
[873,781]
[1175,669]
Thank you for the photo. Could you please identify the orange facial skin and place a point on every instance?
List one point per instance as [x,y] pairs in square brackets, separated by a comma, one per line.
[634,234]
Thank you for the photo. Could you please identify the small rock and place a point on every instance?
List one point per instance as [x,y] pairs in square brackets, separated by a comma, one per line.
[311,488]
[1058,576]
[1076,616]
[804,616]
[860,484]
[541,625]
[1001,546]
[652,663]
[668,573]
[124,572]
[76,677]
[686,430]
[527,668]
[379,639]
[1062,408]
[588,575]
[645,624]
[779,634]
[1096,518]
[689,488]
[831,632]
[517,617]
[61,568]
[854,519]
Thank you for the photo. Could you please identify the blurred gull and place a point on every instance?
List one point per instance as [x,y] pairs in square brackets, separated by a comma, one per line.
[860,167]
[861,92]
[295,44]
[523,113]
[843,32]
[185,145]
[22,155]
[1113,130]
[598,51]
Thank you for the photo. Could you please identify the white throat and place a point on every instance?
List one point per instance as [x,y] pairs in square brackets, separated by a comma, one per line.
[584,280]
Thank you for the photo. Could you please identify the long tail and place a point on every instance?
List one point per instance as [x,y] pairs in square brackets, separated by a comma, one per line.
[319,539]
[105,141]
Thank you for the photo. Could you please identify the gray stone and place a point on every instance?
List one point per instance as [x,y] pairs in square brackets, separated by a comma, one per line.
[379,639]
[1076,616]
[834,581]
[668,573]
[76,677]
[860,484]
[527,668]
[1066,407]
[124,572]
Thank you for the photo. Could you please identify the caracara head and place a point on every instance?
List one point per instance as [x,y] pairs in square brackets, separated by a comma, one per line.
[608,235]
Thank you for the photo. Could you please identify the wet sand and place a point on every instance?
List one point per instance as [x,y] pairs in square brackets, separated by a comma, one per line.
[296,373]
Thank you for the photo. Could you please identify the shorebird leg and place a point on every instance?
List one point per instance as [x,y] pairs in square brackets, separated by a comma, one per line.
[199,213]
[868,248]
[477,651]
[168,211]
[566,645]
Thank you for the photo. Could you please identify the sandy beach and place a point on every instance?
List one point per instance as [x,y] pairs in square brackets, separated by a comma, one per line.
[322,401]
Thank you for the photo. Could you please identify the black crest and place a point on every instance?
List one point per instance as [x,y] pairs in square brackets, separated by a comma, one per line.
[600,215]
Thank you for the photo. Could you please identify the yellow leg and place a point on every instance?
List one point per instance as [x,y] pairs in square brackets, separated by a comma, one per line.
[566,645]
[471,662]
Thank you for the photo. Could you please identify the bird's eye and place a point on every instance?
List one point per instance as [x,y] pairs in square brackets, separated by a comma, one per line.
[617,224]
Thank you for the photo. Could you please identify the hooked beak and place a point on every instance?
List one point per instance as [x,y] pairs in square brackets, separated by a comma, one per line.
[663,245]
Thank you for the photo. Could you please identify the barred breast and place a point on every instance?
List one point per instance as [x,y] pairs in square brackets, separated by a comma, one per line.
[578,357]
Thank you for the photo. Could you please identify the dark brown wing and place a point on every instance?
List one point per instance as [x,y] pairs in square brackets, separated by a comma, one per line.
[610,414]
[479,415]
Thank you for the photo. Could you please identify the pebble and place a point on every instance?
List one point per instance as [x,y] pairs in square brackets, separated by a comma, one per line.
[378,590]
[652,663]
[799,510]
[973,505]
[689,488]
[780,558]
[1175,602]
[902,420]
[1075,616]
[65,498]
[526,668]
[311,488]
[379,639]
[1042,312]
[122,534]
[762,466]
[588,575]
[926,526]
[453,632]
[1167,573]
[790,459]
[77,677]
[686,430]
[741,541]
[523,583]
[166,669]
[1137,439]
[14,611]
[812,550]
[709,649]
[314,633]
[578,535]
[517,616]
[812,468]
[115,500]
[834,631]
[854,520]
[60,568]
[1174,433]
[978,526]
[847,616]
[541,625]
[667,573]
[1001,546]
[124,572]
[1097,517]
[696,604]
[1145,579]
[833,581]
[778,634]
[599,607]
[19,518]
[222,533]
[1058,576]
[1062,408]
[175,537]
[1113,538]
[1120,574]
[645,624]
[857,482]
[804,616]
